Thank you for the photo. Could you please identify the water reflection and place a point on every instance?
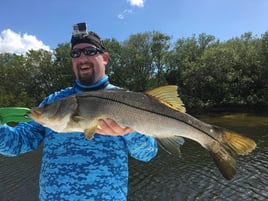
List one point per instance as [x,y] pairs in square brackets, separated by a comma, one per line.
[167,178]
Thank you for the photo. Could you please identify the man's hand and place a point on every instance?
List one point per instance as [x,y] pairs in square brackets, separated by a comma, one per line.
[110,127]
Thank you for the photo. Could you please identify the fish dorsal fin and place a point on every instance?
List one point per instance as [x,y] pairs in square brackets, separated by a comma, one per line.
[168,95]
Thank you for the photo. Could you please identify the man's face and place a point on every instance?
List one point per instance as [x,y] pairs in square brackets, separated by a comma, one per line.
[89,69]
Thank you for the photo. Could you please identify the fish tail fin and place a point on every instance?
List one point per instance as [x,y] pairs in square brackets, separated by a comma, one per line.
[241,145]
[224,160]
[224,150]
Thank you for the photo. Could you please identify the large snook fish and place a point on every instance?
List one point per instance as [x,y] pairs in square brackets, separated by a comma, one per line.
[159,112]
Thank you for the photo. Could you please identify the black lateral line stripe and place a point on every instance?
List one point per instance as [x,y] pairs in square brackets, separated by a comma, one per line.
[153,112]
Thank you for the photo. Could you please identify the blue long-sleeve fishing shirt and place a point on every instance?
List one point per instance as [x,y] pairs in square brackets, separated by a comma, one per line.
[74,168]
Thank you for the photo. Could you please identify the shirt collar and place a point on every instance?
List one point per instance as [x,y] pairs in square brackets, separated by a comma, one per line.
[100,84]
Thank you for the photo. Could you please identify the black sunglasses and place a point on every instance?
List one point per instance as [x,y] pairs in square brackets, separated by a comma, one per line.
[88,51]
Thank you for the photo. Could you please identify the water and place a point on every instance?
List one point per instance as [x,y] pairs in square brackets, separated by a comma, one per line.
[195,177]
[166,178]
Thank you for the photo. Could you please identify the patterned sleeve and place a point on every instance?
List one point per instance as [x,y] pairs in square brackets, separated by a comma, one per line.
[141,147]
[20,139]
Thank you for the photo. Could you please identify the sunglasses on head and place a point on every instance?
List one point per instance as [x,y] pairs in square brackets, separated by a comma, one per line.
[88,51]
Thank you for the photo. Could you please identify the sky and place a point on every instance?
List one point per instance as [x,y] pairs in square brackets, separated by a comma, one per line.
[35,24]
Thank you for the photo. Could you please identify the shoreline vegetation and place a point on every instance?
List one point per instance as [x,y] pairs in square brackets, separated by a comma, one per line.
[223,109]
[212,76]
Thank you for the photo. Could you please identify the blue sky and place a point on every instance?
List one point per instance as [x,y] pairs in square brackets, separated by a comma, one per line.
[29,24]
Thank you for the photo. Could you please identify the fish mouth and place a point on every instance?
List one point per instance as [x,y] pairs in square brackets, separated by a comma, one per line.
[36,114]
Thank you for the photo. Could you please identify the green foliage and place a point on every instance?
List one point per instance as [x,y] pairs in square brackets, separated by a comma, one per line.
[27,79]
[63,66]
[215,73]
[209,73]
[139,62]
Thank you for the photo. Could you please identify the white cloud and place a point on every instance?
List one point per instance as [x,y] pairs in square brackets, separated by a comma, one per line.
[122,15]
[12,42]
[134,3]
[138,3]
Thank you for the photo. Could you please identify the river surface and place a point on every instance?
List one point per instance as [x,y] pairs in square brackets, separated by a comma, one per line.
[168,178]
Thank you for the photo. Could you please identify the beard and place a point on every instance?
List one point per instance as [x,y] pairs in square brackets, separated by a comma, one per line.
[86,78]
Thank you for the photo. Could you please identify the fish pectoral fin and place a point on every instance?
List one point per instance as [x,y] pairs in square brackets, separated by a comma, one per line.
[171,144]
[78,118]
[168,95]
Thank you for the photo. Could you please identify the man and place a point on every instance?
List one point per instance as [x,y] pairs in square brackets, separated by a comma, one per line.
[74,168]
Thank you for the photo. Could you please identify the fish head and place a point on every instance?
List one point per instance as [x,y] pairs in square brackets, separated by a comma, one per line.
[55,115]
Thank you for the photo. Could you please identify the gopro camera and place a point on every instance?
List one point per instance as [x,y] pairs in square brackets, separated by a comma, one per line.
[80,30]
